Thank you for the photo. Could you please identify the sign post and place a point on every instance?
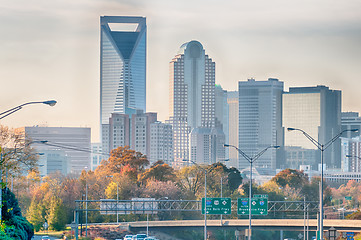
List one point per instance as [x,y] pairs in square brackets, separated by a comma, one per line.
[217,206]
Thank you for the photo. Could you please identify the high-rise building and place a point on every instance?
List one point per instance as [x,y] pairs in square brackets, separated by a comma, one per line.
[70,142]
[122,66]
[260,121]
[317,111]
[350,120]
[233,109]
[192,95]
[161,143]
[207,145]
[221,114]
[351,154]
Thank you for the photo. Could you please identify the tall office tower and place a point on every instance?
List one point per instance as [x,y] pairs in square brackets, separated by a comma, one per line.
[317,111]
[161,143]
[122,66]
[73,141]
[351,154]
[207,145]
[233,108]
[192,95]
[350,120]
[260,121]
[221,114]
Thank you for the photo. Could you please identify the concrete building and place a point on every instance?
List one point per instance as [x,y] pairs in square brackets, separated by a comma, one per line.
[192,95]
[351,154]
[122,66]
[206,145]
[351,120]
[97,155]
[222,114]
[233,122]
[53,161]
[161,143]
[260,121]
[72,143]
[317,111]
[135,131]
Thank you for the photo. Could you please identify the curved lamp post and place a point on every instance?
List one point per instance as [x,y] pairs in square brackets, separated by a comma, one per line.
[250,160]
[322,148]
[15,109]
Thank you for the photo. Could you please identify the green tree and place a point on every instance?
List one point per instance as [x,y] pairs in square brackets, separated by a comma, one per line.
[13,218]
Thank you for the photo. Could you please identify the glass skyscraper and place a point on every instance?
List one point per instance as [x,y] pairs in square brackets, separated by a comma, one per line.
[260,121]
[122,67]
[317,111]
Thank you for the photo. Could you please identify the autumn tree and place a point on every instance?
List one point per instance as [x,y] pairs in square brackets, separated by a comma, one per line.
[16,153]
[159,171]
[123,160]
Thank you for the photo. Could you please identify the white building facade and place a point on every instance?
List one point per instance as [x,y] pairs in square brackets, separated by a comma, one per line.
[192,95]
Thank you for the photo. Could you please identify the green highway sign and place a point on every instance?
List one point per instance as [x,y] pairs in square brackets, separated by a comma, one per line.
[217,205]
[259,206]
[260,196]
[348,198]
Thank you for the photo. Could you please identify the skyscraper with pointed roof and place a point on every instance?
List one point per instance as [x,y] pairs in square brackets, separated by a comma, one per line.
[122,67]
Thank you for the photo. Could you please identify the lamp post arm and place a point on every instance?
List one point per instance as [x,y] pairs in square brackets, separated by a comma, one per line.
[8,112]
[337,136]
[12,110]
[260,153]
[240,152]
[314,141]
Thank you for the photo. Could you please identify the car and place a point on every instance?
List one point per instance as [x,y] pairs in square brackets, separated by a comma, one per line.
[128,237]
[45,238]
[150,238]
[140,236]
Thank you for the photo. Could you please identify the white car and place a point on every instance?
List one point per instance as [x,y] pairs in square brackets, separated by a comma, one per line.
[128,237]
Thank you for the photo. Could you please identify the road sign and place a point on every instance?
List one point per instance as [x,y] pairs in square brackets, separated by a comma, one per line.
[259,206]
[350,235]
[45,225]
[217,205]
[348,198]
[260,196]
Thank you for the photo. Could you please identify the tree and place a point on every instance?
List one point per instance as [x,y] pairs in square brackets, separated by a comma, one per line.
[290,177]
[159,171]
[16,153]
[190,180]
[12,217]
[123,160]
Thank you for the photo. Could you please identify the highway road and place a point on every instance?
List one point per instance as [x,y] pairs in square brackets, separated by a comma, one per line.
[38,237]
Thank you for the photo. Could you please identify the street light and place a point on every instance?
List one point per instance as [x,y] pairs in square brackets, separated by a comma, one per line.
[322,148]
[205,197]
[15,109]
[250,160]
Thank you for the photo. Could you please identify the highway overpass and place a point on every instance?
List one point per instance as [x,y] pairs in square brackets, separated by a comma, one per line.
[240,224]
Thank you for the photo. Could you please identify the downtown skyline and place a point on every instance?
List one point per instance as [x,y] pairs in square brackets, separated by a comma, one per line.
[51,51]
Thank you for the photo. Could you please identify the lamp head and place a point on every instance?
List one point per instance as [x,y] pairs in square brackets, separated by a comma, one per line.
[50,102]
[291,129]
[349,156]
[354,130]
[276,147]
[226,145]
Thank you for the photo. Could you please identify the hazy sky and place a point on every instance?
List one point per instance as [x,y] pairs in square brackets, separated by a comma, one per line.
[50,50]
